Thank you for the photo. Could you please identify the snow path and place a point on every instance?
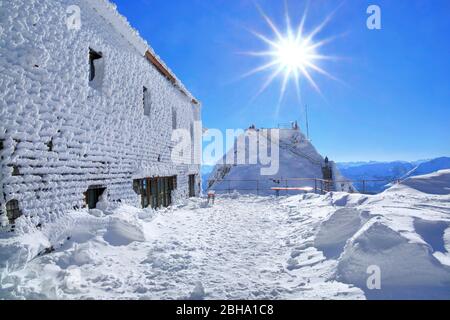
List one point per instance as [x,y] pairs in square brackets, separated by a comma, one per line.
[251,248]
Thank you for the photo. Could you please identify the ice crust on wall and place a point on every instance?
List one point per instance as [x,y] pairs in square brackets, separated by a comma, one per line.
[99,136]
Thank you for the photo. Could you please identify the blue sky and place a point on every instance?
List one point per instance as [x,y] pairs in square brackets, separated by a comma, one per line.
[394,103]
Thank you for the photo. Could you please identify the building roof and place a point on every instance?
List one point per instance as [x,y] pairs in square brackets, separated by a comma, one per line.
[109,12]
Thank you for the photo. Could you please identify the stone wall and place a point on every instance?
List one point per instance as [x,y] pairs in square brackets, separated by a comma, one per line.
[60,133]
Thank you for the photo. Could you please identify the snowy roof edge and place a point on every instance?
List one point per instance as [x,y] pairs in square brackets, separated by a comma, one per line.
[108,10]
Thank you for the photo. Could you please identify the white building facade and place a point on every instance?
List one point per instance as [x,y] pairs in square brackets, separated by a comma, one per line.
[87,112]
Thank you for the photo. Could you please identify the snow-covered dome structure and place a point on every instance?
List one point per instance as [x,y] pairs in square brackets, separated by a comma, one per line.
[296,165]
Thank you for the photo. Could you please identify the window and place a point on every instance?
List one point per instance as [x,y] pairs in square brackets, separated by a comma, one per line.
[146,101]
[16,171]
[92,196]
[96,68]
[50,145]
[156,192]
[174,118]
[13,211]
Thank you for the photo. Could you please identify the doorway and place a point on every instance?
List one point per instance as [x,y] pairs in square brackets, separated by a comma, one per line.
[191,185]
[13,211]
[92,196]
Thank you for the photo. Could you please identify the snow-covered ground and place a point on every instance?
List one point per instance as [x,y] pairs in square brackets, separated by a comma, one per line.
[243,247]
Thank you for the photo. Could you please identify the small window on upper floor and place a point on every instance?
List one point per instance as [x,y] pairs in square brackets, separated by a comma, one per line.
[146,101]
[50,145]
[96,68]
[174,118]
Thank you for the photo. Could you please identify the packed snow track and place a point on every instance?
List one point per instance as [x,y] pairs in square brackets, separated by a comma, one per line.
[246,248]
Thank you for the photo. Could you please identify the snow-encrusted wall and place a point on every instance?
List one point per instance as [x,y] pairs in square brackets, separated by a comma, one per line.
[99,136]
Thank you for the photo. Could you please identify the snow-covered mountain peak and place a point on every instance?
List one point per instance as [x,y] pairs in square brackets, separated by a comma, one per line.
[298,163]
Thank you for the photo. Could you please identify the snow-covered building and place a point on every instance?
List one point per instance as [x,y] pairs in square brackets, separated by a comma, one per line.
[87,111]
[299,167]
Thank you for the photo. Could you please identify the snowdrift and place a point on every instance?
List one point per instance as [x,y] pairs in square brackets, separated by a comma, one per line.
[407,243]
[120,227]
[335,231]
[433,183]
[408,270]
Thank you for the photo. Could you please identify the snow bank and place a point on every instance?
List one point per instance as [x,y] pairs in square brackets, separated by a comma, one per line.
[408,270]
[16,250]
[122,227]
[433,183]
[334,232]
[403,231]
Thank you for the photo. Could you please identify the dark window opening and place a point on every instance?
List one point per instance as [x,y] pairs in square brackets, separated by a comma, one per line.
[156,192]
[92,196]
[1,144]
[192,185]
[13,211]
[50,145]
[16,171]
[146,101]
[93,55]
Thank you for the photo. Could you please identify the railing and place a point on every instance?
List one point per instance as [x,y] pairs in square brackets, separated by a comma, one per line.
[319,186]
[285,125]
[265,186]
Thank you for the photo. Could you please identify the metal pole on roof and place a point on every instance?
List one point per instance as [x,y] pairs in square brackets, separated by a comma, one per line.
[307,122]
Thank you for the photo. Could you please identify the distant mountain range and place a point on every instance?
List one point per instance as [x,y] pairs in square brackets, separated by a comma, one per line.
[374,170]
[388,171]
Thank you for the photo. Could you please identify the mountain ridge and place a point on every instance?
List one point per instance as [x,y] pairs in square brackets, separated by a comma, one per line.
[389,171]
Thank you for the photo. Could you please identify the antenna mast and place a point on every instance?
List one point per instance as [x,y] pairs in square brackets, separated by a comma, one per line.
[307,123]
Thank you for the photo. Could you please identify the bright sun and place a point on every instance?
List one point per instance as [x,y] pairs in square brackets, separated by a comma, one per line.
[294,55]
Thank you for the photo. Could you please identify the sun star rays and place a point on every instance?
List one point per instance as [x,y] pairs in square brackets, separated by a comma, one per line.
[292,54]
